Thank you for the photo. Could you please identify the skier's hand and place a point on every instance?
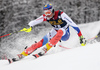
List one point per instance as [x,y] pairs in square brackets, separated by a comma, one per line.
[27,29]
[82,41]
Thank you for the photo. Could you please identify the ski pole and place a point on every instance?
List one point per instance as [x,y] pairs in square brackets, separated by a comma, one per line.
[64,47]
[24,29]
[71,48]
[10,34]
[92,38]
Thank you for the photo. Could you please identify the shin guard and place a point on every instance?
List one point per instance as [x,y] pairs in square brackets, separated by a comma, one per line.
[55,39]
[32,48]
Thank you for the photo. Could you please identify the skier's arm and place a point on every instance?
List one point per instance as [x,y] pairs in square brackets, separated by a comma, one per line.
[36,21]
[33,23]
[72,24]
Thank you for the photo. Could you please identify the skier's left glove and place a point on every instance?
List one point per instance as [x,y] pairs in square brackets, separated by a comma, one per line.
[82,41]
[27,29]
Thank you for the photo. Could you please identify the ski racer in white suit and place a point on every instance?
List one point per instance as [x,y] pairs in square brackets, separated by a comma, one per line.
[60,31]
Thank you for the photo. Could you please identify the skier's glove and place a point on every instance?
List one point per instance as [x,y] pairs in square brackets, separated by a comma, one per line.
[82,41]
[27,29]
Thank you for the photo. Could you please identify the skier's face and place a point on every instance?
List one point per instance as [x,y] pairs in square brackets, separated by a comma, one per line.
[48,13]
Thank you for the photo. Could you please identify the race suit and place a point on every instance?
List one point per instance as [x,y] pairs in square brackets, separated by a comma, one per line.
[60,20]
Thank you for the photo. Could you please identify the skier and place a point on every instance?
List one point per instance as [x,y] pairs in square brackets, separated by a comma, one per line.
[60,31]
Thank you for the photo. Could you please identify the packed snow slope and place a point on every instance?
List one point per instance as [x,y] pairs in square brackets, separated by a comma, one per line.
[81,58]
[77,58]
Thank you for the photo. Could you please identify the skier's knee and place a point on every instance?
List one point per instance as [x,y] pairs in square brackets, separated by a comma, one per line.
[65,37]
[45,40]
[64,32]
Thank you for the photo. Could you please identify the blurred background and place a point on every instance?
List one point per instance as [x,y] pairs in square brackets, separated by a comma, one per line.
[16,14]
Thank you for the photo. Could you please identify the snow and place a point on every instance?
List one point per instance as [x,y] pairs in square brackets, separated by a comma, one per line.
[77,58]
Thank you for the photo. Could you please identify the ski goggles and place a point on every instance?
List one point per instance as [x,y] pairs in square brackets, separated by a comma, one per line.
[47,12]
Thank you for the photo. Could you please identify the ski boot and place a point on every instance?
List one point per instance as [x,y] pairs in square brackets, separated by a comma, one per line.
[19,56]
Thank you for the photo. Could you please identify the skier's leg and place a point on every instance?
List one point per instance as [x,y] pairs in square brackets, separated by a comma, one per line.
[26,52]
[30,49]
[51,43]
[66,36]
[39,44]
[33,47]
[56,38]
[49,36]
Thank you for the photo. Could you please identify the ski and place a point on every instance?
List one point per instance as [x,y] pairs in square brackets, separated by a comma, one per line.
[10,61]
[64,47]
[91,40]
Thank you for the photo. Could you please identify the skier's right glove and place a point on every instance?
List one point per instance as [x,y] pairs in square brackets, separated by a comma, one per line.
[27,29]
[82,41]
